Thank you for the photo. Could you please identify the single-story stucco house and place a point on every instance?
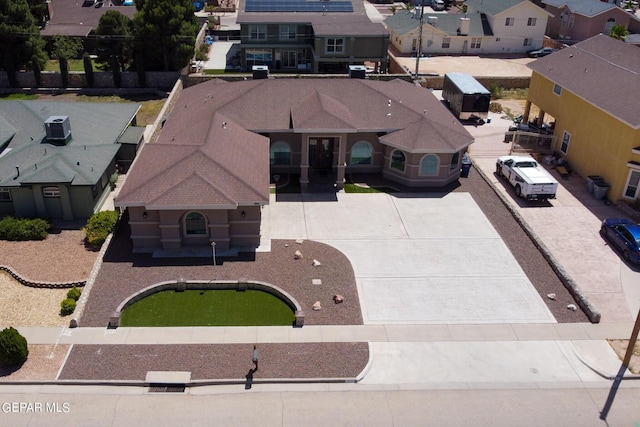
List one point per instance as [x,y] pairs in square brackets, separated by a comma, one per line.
[208,175]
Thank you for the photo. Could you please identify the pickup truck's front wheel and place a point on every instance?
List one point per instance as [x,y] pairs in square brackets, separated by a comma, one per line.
[498,170]
[518,191]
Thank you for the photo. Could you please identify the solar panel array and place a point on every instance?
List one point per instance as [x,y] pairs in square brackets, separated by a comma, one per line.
[298,6]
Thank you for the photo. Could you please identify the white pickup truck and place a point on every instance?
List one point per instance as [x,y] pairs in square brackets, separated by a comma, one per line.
[531,181]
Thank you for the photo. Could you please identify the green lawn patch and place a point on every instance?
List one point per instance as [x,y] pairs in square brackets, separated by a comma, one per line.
[19,96]
[353,188]
[226,307]
[74,65]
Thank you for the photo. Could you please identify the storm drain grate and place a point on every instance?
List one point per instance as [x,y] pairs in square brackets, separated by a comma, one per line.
[166,388]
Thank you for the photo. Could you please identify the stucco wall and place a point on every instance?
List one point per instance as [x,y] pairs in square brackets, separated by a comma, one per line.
[600,143]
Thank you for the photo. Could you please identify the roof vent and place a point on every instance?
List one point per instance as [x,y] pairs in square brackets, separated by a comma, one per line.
[432,20]
[58,129]
[357,71]
[260,72]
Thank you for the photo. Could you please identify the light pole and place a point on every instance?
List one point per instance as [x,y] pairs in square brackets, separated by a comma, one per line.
[213,248]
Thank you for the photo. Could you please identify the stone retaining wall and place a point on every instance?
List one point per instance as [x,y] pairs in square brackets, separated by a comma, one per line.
[37,284]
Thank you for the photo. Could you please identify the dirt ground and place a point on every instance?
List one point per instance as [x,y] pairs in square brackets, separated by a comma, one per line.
[620,347]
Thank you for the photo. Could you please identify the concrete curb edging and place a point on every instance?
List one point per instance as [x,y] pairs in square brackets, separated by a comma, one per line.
[573,288]
[183,284]
[601,372]
[82,302]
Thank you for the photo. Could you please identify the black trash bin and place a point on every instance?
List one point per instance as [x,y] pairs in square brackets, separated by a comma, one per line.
[466,167]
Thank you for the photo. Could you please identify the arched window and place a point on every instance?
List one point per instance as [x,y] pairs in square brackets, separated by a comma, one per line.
[361,153]
[280,153]
[398,160]
[195,223]
[429,165]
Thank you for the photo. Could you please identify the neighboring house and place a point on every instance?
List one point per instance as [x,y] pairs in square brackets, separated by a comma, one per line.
[310,36]
[572,21]
[208,175]
[496,26]
[56,158]
[589,89]
[77,19]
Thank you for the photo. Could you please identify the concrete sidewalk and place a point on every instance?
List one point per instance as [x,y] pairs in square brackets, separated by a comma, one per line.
[424,355]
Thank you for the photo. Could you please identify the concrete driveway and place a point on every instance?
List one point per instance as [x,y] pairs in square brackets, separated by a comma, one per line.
[418,258]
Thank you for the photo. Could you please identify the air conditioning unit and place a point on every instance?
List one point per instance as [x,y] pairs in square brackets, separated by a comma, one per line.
[58,128]
[357,71]
[260,72]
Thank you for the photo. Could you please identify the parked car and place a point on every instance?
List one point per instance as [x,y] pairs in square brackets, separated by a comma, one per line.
[625,235]
[539,53]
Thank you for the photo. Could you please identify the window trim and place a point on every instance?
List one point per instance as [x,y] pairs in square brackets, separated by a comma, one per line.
[436,168]
[528,41]
[632,170]
[394,164]
[370,158]
[334,43]
[257,32]
[476,43]
[7,192]
[446,42]
[531,22]
[455,160]
[565,142]
[186,225]
[557,89]
[272,151]
[286,35]
[509,22]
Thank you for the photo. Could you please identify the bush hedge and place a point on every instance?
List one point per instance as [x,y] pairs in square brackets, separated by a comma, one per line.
[74,293]
[99,226]
[13,348]
[23,228]
[67,306]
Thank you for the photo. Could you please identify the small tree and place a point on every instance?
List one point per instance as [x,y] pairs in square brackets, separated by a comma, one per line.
[619,32]
[35,66]
[115,69]
[13,348]
[88,69]
[99,226]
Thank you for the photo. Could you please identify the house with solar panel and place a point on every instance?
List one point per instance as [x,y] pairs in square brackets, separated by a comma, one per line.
[57,158]
[311,36]
[488,27]
[224,143]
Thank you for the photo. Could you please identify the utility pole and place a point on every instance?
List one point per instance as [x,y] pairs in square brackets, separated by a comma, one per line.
[419,40]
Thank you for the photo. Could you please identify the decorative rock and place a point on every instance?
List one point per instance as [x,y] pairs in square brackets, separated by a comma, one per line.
[286,245]
[551,296]
[338,299]
[572,307]
[317,306]
[316,281]
[297,255]
[299,241]
[316,263]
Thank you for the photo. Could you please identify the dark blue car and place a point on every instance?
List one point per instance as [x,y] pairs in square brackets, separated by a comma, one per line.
[625,235]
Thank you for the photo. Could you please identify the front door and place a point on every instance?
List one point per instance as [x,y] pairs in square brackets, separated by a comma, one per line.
[289,59]
[321,153]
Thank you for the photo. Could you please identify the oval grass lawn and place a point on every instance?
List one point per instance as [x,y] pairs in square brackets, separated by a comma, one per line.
[225,307]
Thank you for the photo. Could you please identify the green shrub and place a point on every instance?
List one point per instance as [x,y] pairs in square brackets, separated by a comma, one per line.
[23,229]
[67,306]
[74,293]
[13,348]
[99,226]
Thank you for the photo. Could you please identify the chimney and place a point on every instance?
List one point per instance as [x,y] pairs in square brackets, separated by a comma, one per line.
[465,23]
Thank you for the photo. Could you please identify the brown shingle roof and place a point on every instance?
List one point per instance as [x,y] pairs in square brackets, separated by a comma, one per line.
[209,152]
[227,168]
[603,71]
